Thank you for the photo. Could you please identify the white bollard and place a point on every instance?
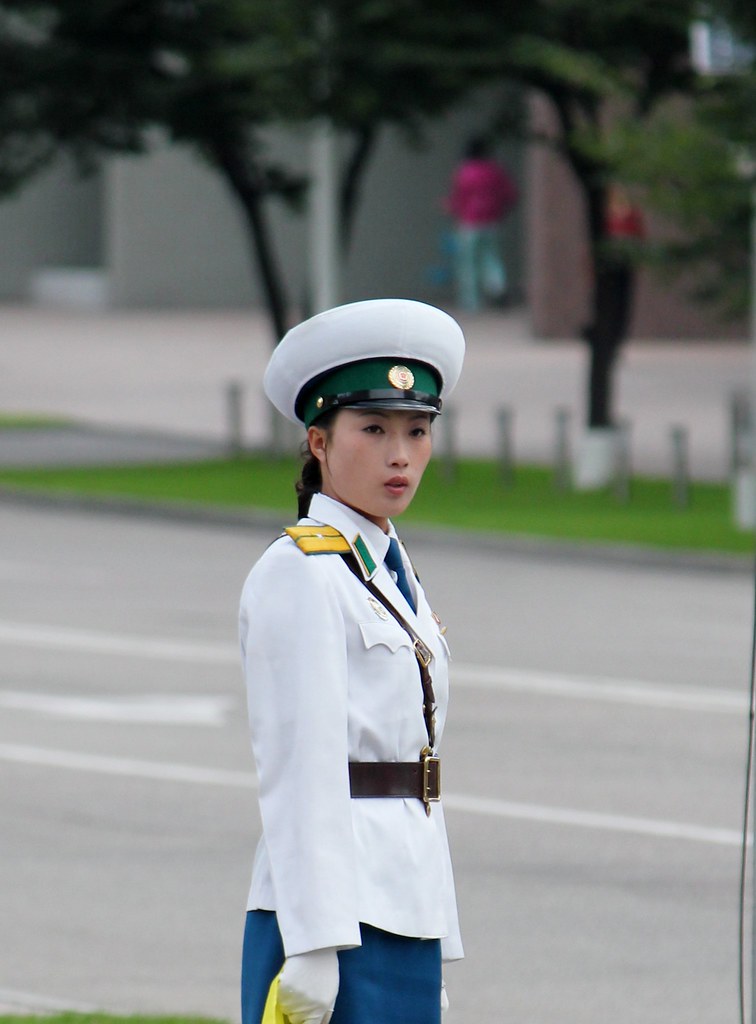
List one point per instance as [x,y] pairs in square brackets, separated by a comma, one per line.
[744,498]
[596,460]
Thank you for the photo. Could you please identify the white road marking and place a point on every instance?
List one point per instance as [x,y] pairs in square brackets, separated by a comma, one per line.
[483,677]
[474,676]
[600,688]
[148,709]
[162,771]
[26,634]
[167,772]
[591,819]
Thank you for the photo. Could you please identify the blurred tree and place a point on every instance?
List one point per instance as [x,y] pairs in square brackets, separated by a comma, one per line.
[691,166]
[601,67]
[99,77]
[108,74]
[213,73]
[25,146]
[696,162]
[618,80]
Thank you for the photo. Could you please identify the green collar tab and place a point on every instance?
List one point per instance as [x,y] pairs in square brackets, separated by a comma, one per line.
[361,549]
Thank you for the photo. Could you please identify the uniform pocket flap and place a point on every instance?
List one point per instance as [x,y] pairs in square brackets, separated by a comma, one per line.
[387,633]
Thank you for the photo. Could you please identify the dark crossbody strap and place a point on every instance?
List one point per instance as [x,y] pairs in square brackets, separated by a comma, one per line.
[422,653]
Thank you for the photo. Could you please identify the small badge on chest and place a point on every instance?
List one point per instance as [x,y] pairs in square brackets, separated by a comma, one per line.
[378,608]
[441,629]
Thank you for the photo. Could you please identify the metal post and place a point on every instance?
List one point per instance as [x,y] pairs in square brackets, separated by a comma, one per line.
[505,421]
[234,394]
[449,443]
[325,256]
[562,450]
[623,470]
[276,432]
[680,470]
[740,427]
[743,518]
[744,482]
[285,435]
[325,245]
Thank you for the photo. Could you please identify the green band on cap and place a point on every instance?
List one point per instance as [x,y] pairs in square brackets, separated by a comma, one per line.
[392,378]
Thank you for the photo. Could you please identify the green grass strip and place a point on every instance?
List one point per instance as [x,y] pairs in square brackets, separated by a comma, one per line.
[32,421]
[475,499]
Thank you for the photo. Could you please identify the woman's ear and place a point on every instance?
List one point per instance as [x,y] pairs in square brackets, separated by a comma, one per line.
[316,439]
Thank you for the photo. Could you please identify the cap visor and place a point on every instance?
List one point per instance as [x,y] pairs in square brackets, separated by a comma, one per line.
[385,403]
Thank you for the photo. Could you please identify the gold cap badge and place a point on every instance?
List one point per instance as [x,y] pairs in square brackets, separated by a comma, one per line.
[401,377]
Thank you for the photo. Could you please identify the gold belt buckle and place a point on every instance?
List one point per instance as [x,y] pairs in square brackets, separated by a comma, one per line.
[422,653]
[431,793]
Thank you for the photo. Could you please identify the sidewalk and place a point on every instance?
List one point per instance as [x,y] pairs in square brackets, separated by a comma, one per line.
[154,386]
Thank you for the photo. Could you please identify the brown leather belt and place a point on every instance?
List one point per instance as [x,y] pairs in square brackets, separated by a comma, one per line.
[420,779]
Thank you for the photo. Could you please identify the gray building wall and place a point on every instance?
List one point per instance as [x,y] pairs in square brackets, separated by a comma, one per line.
[172,235]
[166,231]
[55,221]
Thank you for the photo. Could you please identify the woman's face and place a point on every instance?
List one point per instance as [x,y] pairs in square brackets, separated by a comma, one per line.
[373,459]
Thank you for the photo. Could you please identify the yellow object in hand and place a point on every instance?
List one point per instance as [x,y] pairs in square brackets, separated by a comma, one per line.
[273,1014]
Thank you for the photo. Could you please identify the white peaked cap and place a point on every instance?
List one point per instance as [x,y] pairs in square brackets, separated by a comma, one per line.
[403,330]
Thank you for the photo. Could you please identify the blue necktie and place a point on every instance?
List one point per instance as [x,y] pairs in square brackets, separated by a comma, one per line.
[394,563]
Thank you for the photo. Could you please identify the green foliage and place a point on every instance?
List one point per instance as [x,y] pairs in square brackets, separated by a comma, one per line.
[25,143]
[690,174]
[584,73]
[630,109]
[97,77]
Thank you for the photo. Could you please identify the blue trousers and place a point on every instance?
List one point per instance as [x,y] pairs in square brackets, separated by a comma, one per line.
[480,271]
[389,979]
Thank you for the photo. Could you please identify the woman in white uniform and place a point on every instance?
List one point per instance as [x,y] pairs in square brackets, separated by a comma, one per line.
[346,666]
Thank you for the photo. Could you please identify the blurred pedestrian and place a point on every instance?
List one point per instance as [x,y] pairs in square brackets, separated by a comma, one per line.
[352,897]
[482,194]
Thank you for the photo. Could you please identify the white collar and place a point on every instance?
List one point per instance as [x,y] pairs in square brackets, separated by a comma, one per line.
[350,523]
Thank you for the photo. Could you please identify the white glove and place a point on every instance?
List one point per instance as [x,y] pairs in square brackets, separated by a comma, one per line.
[444,998]
[309,985]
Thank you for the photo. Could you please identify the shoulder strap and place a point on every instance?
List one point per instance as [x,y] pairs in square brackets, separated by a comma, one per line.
[318,540]
[422,652]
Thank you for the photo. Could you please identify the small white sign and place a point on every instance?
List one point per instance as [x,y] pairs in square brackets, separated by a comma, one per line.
[716,50]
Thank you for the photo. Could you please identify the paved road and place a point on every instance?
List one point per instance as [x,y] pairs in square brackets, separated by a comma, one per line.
[593,768]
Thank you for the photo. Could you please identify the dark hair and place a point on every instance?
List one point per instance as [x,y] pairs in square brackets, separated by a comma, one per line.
[311,479]
[478,148]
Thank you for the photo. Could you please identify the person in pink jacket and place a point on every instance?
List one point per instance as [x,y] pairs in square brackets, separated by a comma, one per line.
[482,194]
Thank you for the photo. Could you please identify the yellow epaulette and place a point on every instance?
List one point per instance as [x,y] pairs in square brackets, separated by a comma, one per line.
[318,540]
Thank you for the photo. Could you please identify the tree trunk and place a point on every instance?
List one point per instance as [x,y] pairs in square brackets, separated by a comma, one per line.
[245,180]
[612,305]
[600,391]
[272,280]
[354,172]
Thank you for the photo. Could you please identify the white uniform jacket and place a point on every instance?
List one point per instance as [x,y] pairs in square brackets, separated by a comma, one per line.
[331,677]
